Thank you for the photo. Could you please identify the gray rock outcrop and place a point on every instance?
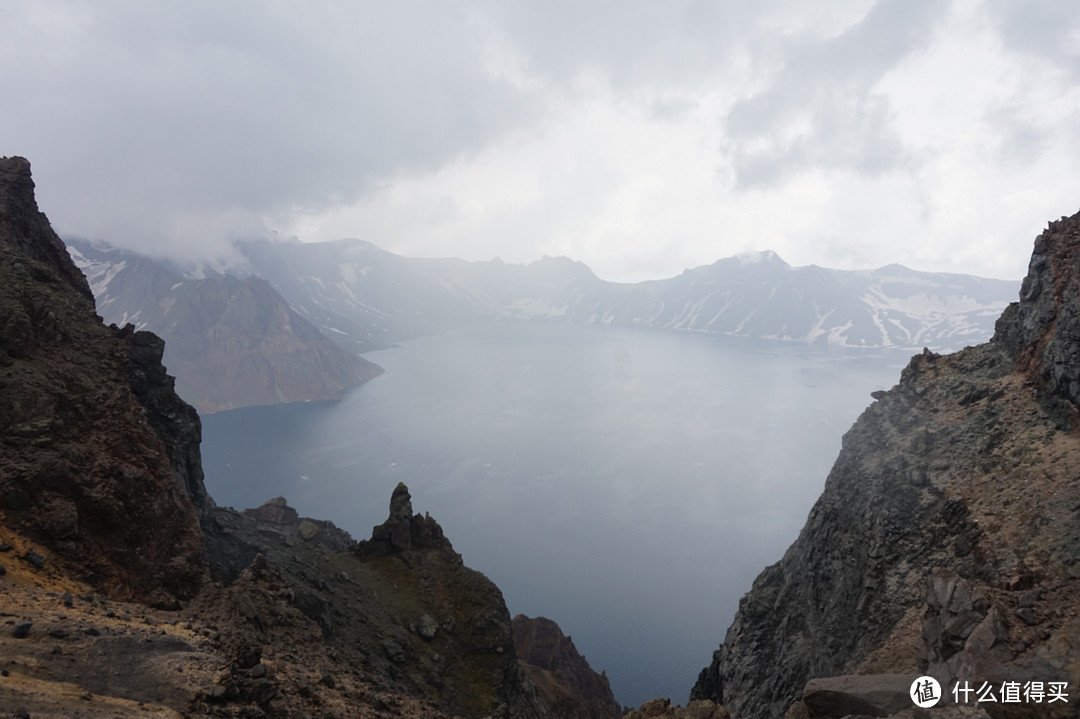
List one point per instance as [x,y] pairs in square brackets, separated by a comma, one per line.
[874,695]
[947,538]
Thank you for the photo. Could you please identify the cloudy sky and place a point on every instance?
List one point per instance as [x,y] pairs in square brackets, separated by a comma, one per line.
[640,137]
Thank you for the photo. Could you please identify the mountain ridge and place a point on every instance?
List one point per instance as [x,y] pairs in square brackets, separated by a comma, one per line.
[232,342]
[365,297]
[583,297]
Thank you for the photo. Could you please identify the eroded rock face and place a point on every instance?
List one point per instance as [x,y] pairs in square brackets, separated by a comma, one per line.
[172,419]
[947,538]
[26,230]
[403,606]
[456,614]
[403,532]
[1043,330]
[569,686]
[99,461]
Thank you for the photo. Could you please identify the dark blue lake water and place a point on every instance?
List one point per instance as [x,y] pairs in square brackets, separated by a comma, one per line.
[628,484]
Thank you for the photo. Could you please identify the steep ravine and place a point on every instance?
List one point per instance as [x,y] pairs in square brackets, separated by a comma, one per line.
[947,538]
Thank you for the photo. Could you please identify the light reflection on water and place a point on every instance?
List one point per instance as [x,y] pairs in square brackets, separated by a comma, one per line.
[628,484]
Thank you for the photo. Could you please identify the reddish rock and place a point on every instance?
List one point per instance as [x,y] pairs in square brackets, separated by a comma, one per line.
[568,684]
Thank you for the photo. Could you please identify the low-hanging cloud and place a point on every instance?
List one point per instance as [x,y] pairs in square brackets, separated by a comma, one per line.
[153,120]
[640,137]
[1042,28]
[820,109]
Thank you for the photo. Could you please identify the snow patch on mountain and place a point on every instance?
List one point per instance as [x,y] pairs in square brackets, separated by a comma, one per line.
[367,298]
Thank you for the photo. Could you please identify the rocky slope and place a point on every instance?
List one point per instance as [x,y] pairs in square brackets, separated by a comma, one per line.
[124,590]
[100,465]
[947,538]
[399,611]
[231,342]
[567,683]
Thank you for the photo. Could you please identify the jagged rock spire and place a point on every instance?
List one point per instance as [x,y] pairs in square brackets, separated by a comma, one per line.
[1043,329]
[404,532]
[400,503]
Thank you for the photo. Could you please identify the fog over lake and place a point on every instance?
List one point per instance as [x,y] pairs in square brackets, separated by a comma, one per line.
[628,484]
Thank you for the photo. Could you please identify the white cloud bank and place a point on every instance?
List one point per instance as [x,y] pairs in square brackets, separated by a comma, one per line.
[638,137]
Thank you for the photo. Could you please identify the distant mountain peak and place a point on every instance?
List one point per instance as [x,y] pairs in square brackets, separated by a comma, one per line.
[365,297]
[358,243]
[761,257]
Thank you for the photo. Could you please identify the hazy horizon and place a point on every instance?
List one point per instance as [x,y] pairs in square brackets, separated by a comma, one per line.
[221,261]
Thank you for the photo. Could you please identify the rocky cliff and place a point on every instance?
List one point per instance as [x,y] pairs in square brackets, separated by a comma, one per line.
[569,686]
[100,465]
[127,593]
[947,538]
[400,609]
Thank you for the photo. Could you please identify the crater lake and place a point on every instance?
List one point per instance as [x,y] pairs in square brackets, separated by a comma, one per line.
[628,484]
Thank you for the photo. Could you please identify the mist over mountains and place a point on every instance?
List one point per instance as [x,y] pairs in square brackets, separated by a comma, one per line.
[944,545]
[366,298]
[350,284]
[232,342]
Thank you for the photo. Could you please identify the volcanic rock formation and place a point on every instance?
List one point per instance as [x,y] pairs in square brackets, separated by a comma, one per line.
[947,538]
[569,686]
[401,605]
[100,462]
[109,545]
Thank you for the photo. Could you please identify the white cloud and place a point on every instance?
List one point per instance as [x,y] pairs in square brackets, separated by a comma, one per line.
[638,137]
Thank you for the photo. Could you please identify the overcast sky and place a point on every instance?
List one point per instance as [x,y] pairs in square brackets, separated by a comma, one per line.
[638,137]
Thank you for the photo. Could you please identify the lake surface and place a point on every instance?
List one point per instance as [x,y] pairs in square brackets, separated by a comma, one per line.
[629,484]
